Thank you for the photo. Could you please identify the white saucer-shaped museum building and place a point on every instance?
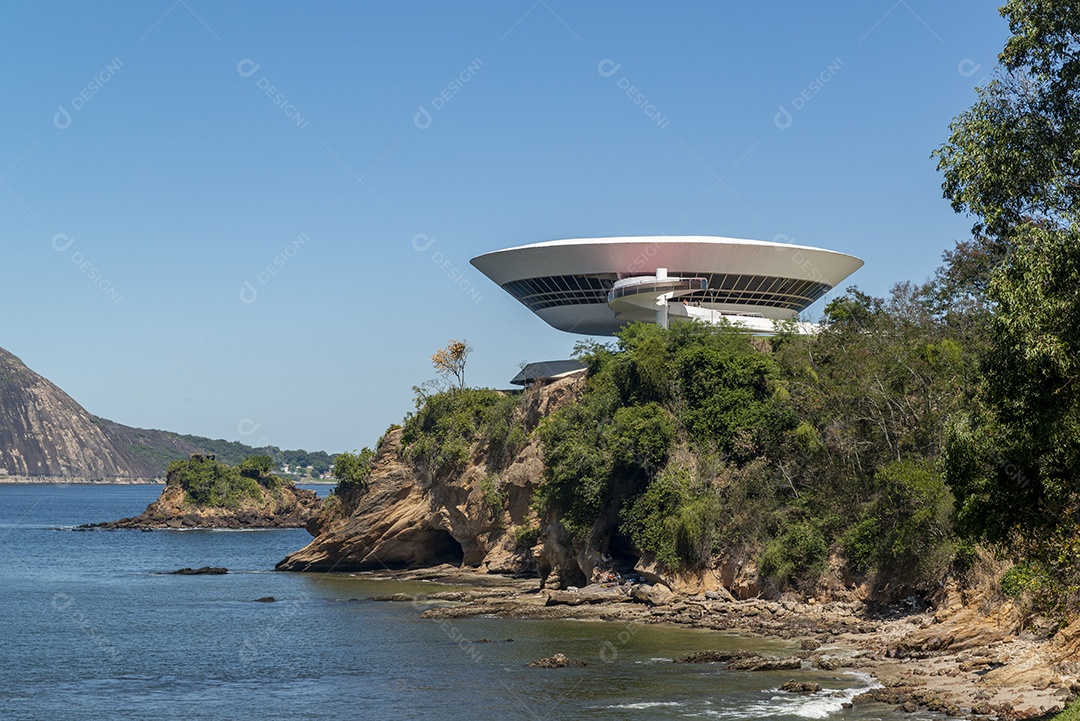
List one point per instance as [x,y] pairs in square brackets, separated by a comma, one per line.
[594,286]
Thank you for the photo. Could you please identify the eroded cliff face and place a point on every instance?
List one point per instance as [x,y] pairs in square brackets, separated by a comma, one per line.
[407,520]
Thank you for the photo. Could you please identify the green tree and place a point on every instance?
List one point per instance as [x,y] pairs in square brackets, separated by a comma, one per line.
[1012,157]
[1012,162]
[641,436]
[352,471]
[903,538]
[208,482]
[439,436]
[1013,461]
[320,462]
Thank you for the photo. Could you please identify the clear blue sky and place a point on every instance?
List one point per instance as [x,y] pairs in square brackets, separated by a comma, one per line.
[148,176]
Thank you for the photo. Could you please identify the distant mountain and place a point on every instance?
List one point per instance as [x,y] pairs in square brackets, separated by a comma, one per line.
[44,432]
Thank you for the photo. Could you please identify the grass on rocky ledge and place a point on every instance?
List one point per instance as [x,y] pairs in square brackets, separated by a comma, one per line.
[1071,712]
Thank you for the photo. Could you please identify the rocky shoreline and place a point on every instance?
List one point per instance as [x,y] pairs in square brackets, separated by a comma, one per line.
[78,480]
[953,660]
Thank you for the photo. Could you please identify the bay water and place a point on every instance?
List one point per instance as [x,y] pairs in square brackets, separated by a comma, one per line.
[95,627]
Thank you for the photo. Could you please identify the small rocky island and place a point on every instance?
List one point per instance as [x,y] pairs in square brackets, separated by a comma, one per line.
[203,492]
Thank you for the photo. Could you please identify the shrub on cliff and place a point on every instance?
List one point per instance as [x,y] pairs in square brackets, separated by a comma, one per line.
[673,522]
[439,435]
[209,482]
[352,471]
[699,441]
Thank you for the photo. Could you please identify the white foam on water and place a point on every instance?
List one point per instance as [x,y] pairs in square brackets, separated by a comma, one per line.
[646,704]
[825,702]
[822,704]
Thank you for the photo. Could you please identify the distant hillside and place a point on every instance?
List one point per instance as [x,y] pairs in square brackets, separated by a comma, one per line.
[45,432]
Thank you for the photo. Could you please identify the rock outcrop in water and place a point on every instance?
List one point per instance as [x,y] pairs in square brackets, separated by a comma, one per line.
[255,501]
[295,508]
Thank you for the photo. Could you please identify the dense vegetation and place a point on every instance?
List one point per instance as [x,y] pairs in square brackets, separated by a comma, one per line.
[698,442]
[1013,456]
[209,482]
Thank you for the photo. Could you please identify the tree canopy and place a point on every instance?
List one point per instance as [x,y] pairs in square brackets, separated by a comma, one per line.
[1014,156]
[1012,457]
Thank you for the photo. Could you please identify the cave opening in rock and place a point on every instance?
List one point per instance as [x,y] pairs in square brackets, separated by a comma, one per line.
[573,575]
[623,555]
[445,549]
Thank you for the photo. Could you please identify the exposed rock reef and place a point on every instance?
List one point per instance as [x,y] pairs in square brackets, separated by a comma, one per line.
[955,660]
[559,660]
[44,432]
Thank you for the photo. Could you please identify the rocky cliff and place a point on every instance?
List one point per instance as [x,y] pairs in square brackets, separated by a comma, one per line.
[406,519]
[45,432]
[484,520]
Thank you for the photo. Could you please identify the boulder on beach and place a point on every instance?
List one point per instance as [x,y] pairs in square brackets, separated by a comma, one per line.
[654,595]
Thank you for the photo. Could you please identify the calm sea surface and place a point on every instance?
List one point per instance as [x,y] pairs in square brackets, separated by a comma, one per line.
[93,629]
